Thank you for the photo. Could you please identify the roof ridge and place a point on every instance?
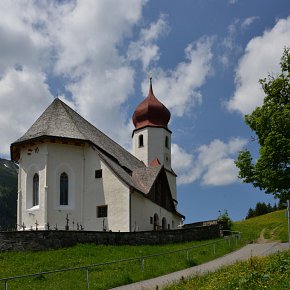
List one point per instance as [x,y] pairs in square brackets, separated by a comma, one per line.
[67,108]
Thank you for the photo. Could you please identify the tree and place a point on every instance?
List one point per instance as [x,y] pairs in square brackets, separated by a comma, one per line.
[225,220]
[271,123]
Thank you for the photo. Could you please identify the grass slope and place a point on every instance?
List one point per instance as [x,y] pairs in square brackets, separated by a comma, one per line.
[273,225]
[272,272]
[18,263]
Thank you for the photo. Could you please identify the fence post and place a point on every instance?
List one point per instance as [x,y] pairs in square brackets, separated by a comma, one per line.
[6,284]
[229,242]
[213,248]
[142,263]
[87,278]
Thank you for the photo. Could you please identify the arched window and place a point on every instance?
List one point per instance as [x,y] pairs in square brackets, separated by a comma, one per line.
[63,193]
[35,190]
[166,142]
[141,141]
[164,224]
[156,222]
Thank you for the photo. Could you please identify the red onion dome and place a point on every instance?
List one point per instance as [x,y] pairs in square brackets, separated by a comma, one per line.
[151,112]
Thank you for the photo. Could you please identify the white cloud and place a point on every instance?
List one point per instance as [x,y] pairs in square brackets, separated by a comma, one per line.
[178,89]
[23,97]
[262,56]
[212,164]
[144,49]
[248,21]
[78,41]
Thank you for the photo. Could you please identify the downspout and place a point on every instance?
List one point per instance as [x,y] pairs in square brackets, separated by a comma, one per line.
[45,204]
[19,201]
[130,202]
[83,189]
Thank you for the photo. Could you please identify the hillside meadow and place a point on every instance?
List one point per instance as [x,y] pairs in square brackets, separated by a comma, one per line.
[273,225]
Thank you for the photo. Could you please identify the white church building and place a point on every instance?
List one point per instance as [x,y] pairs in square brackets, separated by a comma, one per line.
[73,176]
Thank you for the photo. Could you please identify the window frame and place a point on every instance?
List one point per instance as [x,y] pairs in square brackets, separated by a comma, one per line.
[64,189]
[102,211]
[35,190]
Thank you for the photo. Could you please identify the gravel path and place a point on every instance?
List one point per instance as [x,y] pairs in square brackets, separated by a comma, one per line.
[239,255]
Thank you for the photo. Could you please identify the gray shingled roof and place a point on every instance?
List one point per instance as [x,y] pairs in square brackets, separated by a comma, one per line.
[59,120]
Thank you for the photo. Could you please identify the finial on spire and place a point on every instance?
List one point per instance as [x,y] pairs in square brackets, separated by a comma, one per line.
[150,80]
[150,77]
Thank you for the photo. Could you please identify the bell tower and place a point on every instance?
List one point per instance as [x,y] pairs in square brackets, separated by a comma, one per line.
[151,136]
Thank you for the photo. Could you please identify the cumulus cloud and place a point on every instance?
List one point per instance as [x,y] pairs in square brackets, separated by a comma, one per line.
[211,164]
[23,96]
[145,48]
[78,41]
[179,88]
[262,56]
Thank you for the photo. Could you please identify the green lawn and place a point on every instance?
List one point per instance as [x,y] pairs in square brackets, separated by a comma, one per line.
[274,226]
[272,272]
[19,263]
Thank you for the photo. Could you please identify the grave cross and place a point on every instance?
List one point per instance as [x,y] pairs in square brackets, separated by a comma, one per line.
[36,224]
[67,220]
[23,226]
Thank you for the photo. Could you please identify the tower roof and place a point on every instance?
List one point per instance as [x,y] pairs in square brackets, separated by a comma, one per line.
[151,112]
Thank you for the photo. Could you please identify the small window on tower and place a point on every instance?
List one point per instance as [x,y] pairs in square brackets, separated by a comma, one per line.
[166,142]
[141,141]
[98,173]
[102,211]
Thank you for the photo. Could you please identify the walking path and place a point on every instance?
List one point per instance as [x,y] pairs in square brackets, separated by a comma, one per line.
[239,255]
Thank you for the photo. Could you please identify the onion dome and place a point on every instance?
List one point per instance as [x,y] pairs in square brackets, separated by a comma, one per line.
[151,112]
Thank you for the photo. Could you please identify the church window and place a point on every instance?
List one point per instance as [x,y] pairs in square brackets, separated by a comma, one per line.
[35,195]
[102,211]
[151,220]
[141,141]
[98,173]
[164,223]
[156,222]
[166,142]
[63,189]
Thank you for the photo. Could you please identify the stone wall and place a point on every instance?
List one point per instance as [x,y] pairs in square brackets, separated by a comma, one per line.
[43,240]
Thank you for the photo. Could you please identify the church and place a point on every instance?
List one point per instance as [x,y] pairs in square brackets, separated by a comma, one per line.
[72,176]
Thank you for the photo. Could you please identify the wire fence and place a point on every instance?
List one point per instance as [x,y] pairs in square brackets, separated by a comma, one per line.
[232,237]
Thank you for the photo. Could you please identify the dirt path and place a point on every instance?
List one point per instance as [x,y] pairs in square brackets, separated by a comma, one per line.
[239,255]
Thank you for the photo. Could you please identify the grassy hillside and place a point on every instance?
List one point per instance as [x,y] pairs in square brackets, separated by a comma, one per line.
[8,194]
[105,277]
[273,226]
[271,272]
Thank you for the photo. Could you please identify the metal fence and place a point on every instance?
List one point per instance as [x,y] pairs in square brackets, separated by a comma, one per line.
[232,237]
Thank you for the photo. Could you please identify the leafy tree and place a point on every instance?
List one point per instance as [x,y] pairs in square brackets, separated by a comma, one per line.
[225,220]
[271,123]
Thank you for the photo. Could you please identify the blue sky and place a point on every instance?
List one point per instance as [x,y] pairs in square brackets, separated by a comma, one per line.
[205,56]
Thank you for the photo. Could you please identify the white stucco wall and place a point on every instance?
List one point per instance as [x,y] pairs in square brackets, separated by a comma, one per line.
[32,161]
[85,191]
[108,190]
[154,145]
[142,209]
